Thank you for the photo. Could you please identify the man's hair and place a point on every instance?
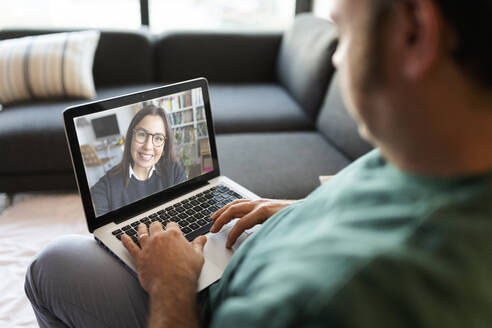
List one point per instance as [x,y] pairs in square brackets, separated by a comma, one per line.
[472,23]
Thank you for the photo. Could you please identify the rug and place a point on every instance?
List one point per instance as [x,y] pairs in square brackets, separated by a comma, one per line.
[25,228]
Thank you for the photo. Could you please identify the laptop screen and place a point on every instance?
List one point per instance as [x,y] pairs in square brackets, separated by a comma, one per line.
[137,150]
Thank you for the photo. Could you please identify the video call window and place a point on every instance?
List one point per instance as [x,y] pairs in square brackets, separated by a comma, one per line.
[137,150]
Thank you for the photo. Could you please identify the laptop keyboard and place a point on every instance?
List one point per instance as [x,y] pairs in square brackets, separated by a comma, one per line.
[191,214]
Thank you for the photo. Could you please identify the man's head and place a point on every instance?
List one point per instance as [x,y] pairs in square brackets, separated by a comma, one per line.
[468,22]
[412,69]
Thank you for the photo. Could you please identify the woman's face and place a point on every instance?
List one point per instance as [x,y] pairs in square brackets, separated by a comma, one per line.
[146,154]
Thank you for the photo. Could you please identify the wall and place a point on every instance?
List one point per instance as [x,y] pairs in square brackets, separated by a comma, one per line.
[124,116]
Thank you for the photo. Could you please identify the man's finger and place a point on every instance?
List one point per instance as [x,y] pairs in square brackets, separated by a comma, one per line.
[247,222]
[155,227]
[143,234]
[235,211]
[221,210]
[199,242]
[172,226]
[132,248]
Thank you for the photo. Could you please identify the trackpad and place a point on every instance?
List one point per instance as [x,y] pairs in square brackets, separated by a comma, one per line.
[210,274]
[217,255]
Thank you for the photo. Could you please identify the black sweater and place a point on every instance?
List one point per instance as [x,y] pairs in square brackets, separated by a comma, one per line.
[110,193]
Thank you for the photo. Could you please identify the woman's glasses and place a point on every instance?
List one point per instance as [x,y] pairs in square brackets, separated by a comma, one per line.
[141,137]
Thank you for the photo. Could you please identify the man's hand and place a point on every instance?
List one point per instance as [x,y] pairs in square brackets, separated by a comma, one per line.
[250,212]
[166,261]
[168,268]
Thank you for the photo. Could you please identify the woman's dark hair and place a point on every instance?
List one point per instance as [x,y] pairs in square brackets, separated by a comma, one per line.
[167,153]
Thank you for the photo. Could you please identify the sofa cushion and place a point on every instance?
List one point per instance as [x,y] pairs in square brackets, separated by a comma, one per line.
[122,57]
[38,181]
[337,125]
[278,165]
[48,66]
[32,136]
[37,141]
[255,108]
[220,57]
[304,63]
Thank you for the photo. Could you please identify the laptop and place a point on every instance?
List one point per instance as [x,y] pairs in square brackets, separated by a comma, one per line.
[151,156]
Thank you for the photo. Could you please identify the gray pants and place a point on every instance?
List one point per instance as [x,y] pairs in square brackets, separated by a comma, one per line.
[75,283]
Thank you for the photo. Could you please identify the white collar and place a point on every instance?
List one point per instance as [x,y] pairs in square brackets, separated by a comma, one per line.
[133,173]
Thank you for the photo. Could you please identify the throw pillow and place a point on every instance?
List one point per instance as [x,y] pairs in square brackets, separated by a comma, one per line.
[47,66]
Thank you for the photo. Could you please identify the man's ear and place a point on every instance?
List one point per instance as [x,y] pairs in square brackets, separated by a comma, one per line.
[422,44]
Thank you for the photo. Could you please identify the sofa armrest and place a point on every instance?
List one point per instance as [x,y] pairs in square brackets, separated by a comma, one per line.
[220,57]
[304,64]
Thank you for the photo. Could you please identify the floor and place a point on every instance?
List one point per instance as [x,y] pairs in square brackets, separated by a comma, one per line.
[26,227]
[3,202]
[6,202]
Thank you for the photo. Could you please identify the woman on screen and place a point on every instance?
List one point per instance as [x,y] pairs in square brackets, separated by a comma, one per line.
[148,164]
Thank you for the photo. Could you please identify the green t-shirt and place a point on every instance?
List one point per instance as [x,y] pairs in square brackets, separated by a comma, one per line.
[373,247]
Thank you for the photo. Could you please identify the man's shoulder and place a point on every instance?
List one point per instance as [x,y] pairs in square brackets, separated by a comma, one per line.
[436,269]
[395,290]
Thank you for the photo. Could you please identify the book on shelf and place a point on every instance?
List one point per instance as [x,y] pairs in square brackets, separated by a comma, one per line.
[184,100]
[185,135]
[187,101]
[197,97]
[165,103]
[183,117]
[199,113]
[187,116]
[171,119]
[201,129]
[189,136]
[175,103]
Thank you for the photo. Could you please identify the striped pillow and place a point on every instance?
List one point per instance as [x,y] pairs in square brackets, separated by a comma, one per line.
[47,66]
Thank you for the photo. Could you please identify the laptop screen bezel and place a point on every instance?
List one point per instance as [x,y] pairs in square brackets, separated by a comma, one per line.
[142,205]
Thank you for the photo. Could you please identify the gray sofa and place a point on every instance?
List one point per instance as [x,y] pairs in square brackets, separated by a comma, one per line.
[279,119]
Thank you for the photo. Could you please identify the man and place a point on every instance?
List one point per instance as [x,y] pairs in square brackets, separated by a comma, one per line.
[400,238]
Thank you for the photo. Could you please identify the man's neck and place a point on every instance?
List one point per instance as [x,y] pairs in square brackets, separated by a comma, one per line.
[442,162]
[460,144]
[440,125]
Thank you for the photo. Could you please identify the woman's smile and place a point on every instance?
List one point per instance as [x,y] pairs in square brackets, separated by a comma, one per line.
[145,157]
